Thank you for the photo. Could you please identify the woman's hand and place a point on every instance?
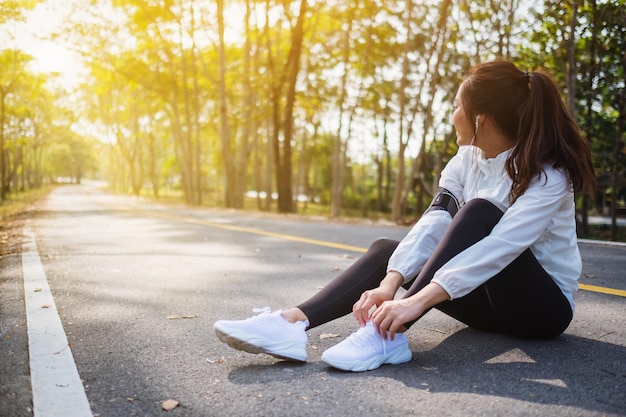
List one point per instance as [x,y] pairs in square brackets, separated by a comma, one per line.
[369,299]
[390,316]
[374,298]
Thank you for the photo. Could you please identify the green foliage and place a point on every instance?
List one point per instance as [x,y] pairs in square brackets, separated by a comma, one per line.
[372,98]
[15,10]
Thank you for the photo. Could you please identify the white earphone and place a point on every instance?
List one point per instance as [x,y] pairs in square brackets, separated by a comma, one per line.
[475,130]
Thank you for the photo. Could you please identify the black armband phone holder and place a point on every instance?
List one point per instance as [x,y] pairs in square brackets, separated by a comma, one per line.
[444,200]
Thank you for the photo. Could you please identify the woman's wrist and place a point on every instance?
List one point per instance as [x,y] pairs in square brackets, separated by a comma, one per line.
[431,295]
[392,281]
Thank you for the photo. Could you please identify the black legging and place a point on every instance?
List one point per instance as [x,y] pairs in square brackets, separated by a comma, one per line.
[522,300]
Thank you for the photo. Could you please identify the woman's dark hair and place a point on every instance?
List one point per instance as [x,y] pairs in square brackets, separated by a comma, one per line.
[528,107]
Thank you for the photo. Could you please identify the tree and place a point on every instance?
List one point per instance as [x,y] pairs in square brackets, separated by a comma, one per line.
[283,80]
[613,73]
[235,155]
[344,101]
[12,82]
[15,10]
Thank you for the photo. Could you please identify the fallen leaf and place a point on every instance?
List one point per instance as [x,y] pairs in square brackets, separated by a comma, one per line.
[177,317]
[329,335]
[169,405]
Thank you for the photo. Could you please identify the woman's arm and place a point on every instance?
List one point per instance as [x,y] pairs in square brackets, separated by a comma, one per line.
[417,246]
[523,224]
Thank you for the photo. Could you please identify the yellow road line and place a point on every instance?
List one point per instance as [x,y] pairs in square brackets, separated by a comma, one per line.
[279,235]
[585,287]
[603,290]
[259,232]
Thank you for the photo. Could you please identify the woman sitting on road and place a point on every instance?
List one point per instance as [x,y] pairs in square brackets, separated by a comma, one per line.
[497,248]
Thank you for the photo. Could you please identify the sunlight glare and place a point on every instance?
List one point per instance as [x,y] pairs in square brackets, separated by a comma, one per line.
[49,57]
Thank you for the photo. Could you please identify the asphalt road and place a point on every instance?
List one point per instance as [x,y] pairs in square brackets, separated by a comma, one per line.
[137,287]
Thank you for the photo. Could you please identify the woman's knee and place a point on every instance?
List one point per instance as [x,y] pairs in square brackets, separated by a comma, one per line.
[479,211]
[383,245]
[482,206]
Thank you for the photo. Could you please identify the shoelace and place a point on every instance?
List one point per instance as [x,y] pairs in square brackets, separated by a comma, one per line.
[260,312]
[365,337]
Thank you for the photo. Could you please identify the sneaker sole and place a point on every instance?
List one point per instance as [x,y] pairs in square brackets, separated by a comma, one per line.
[400,355]
[244,346]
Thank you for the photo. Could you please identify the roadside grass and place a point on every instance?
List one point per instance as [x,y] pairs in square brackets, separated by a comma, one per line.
[14,209]
[13,212]
[15,204]
[603,232]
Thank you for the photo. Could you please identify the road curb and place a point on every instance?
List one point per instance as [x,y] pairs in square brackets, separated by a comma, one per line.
[602,242]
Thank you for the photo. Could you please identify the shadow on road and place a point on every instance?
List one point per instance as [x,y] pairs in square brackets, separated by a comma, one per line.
[568,371]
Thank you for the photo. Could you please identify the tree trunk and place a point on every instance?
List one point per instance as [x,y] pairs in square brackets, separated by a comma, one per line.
[270,166]
[340,148]
[227,152]
[243,149]
[621,122]
[616,156]
[195,122]
[589,119]
[189,131]
[3,163]
[396,205]
[284,164]
[437,51]
[570,81]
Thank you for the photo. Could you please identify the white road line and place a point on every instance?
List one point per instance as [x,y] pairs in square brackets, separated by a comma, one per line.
[57,388]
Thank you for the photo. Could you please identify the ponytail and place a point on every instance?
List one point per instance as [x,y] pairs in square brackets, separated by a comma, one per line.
[547,133]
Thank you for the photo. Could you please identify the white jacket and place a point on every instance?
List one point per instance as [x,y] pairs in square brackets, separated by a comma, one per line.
[542,219]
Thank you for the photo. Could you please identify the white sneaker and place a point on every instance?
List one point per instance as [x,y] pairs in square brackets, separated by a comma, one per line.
[265,333]
[365,350]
